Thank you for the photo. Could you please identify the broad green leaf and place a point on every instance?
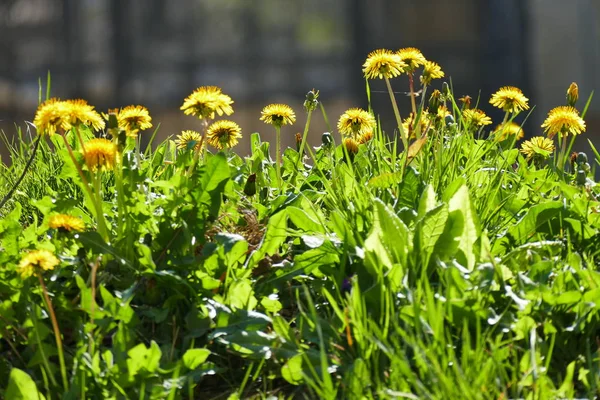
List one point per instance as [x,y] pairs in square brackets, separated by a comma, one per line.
[430,228]
[94,241]
[461,230]
[22,387]
[274,237]
[292,370]
[536,217]
[460,208]
[240,295]
[303,221]
[394,233]
[410,188]
[427,201]
[212,183]
[568,298]
[193,358]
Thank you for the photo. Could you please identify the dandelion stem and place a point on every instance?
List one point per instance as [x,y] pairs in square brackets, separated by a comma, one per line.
[397,114]
[42,352]
[301,151]
[278,155]
[59,346]
[411,85]
[563,150]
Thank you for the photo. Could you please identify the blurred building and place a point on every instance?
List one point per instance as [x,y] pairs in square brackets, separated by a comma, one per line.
[155,52]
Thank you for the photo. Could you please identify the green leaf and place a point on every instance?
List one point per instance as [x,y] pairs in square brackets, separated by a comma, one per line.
[461,231]
[22,387]
[193,358]
[292,370]
[212,183]
[303,221]
[568,298]
[461,202]
[430,229]
[427,201]
[274,237]
[142,358]
[536,217]
[94,241]
[395,235]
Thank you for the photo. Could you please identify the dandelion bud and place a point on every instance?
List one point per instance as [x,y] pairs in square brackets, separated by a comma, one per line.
[298,141]
[445,89]
[326,139]
[582,158]
[434,101]
[311,102]
[250,186]
[572,94]
[112,127]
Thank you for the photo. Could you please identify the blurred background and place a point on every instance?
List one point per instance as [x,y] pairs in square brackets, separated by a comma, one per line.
[156,52]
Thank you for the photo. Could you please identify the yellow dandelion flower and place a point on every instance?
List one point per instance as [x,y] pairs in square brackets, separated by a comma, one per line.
[205,101]
[476,117]
[412,57]
[99,154]
[133,119]
[78,112]
[49,116]
[37,261]
[563,120]
[223,134]
[356,122]
[466,100]
[383,64]
[351,145]
[443,112]
[65,222]
[538,148]
[188,140]
[508,130]
[278,115]
[510,98]
[431,71]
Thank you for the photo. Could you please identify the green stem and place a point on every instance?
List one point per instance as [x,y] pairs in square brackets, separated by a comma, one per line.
[59,346]
[97,176]
[301,151]
[122,214]
[397,114]
[411,85]
[278,156]
[561,157]
[39,341]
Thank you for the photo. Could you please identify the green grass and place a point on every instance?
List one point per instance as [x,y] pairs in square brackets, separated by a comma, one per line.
[462,272]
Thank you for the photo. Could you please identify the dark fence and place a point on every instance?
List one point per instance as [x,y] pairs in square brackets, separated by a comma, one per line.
[117,52]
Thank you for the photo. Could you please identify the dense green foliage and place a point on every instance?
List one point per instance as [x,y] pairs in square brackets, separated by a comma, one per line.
[463,271]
